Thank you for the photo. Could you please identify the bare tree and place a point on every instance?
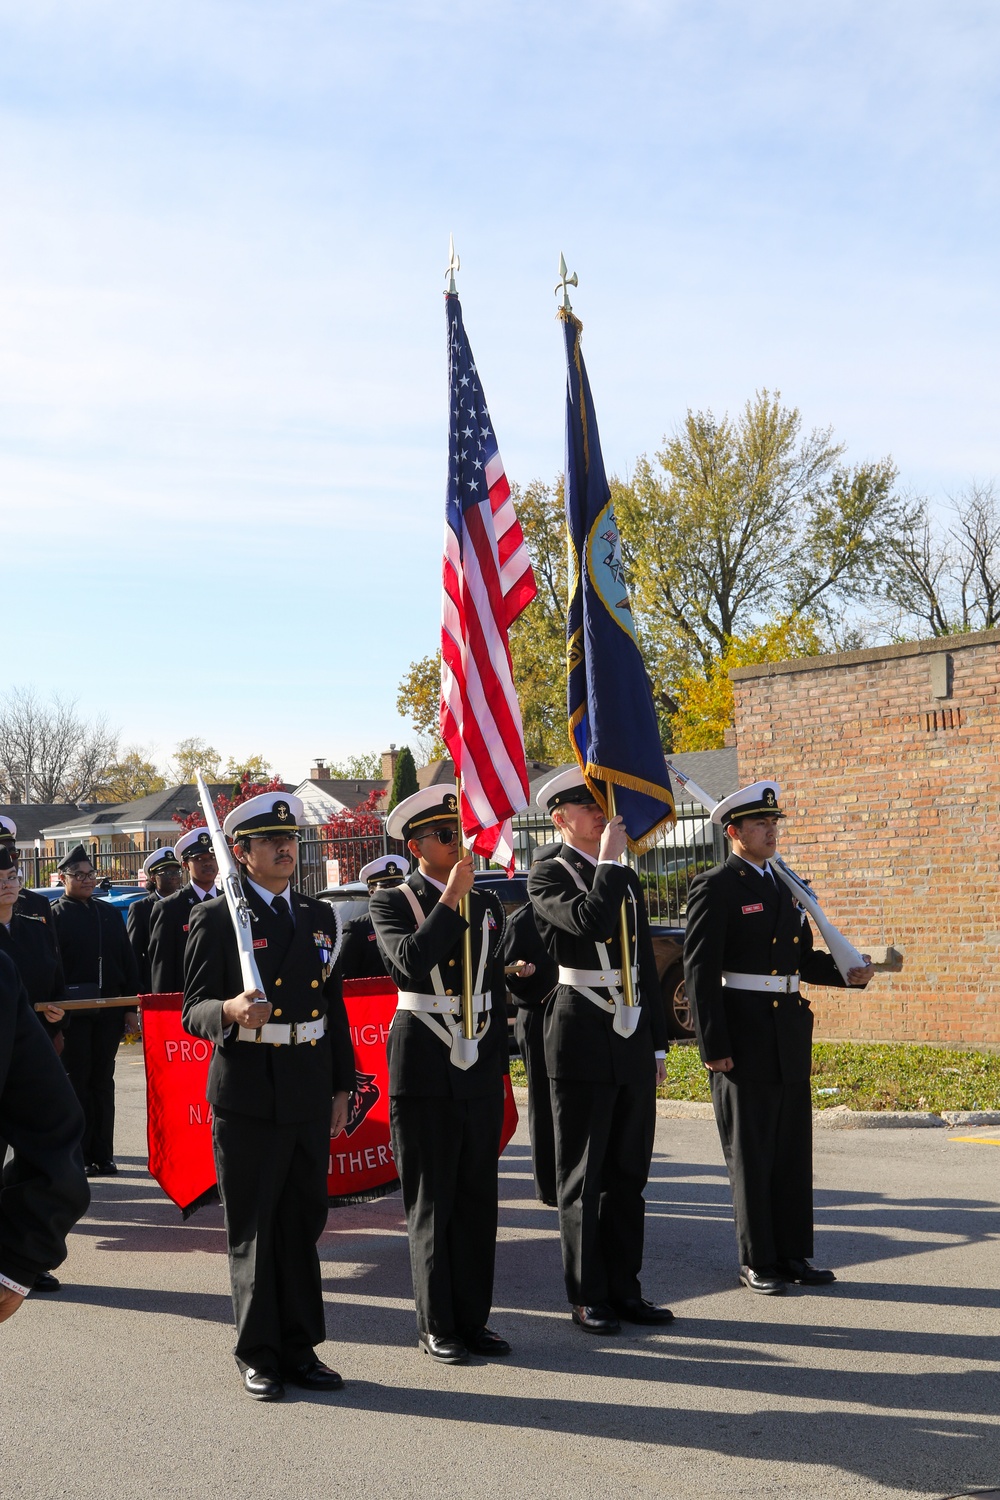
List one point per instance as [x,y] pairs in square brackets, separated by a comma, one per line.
[48,753]
[947,577]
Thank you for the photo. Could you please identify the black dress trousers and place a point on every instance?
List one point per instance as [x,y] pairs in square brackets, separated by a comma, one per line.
[90,1048]
[446,1153]
[604,1142]
[766,1135]
[529,1029]
[272,1180]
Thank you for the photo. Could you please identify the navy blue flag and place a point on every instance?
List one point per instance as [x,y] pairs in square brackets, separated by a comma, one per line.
[612,719]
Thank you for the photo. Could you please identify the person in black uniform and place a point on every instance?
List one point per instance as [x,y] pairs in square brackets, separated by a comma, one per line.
[746,946]
[27,942]
[603,1063]
[162,870]
[97,962]
[171,917]
[30,903]
[362,957]
[44,1189]
[531,978]
[445,1110]
[279,1083]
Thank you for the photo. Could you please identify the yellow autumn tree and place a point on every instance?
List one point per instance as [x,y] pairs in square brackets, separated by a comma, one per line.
[705,699]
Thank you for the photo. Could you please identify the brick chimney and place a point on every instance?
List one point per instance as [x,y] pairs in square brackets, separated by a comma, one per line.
[389,758]
[319,772]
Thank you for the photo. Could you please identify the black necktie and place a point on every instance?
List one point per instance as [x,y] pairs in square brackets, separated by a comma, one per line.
[284,923]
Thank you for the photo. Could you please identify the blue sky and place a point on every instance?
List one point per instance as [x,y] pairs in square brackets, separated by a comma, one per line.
[223,235]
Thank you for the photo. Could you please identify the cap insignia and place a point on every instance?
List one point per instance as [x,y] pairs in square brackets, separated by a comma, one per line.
[281,811]
[451,802]
[769,798]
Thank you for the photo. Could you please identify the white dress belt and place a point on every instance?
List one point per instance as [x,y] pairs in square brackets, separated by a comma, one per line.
[586,978]
[447,1005]
[285,1036]
[784,984]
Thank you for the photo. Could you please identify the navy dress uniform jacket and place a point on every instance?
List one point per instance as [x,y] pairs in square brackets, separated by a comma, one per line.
[361,957]
[45,1190]
[418,1059]
[580,1042]
[137,924]
[743,921]
[169,924]
[283,1084]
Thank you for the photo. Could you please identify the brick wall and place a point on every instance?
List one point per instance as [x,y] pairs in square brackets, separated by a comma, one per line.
[889,764]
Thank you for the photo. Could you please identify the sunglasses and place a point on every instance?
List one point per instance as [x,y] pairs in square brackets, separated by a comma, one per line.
[444,836]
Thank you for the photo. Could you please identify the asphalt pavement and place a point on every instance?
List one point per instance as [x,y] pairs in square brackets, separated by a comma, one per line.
[886,1384]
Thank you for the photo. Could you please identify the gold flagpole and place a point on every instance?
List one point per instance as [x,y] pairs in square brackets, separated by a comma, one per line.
[628,987]
[468,1017]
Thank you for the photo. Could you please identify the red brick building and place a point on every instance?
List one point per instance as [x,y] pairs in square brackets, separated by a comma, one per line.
[889,763]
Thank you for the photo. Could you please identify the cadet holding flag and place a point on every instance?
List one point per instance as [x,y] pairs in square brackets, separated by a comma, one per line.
[605,1028]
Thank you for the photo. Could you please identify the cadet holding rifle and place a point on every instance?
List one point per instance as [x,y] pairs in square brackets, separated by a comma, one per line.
[262,984]
[747,945]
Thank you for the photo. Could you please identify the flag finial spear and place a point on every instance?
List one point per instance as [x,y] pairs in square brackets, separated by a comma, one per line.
[565,282]
[454,264]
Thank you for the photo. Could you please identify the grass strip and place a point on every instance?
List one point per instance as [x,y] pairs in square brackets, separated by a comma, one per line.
[860,1075]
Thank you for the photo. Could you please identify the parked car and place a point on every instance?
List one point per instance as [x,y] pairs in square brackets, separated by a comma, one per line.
[668,942]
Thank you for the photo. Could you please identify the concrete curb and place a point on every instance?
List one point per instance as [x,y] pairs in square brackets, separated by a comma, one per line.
[838,1117]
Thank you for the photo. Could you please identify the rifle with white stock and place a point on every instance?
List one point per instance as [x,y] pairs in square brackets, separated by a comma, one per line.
[232,887]
[843,953]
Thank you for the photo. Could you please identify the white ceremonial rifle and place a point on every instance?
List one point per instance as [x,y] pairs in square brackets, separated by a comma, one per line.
[843,953]
[239,906]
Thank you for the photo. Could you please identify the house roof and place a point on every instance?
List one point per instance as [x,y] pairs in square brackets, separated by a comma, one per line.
[157,809]
[32,817]
[346,793]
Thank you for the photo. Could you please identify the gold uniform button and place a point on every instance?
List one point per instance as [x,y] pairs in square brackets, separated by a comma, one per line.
[277,1012]
[775,1004]
[774,971]
[794,940]
[312,1044]
[449,992]
[315,1014]
[451,963]
[277,981]
[276,1044]
[774,940]
[315,984]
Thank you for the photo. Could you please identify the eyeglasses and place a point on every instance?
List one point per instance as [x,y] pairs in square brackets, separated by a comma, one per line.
[443,835]
[10,880]
[80,874]
[273,838]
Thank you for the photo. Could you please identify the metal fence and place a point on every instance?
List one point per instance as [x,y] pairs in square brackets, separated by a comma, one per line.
[666,870]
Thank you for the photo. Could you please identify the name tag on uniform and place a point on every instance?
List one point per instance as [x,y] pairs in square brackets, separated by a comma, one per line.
[757,906]
[260,942]
[184,928]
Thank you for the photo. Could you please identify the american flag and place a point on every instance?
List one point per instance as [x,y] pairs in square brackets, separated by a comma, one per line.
[487,583]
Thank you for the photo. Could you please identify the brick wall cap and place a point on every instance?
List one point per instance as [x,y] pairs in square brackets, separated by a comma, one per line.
[835,659]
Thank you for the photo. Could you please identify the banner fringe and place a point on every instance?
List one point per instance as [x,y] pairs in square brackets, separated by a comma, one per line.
[351,1200]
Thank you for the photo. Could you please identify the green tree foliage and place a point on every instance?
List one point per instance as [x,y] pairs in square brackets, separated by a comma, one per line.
[705,700]
[748,520]
[418,698]
[193,755]
[404,778]
[251,768]
[366,767]
[128,777]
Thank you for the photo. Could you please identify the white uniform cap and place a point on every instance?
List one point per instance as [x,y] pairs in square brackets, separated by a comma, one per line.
[160,859]
[195,841]
[8,828]
[386,867]
[270,812]
[749,801]
[418,814]
[567,786]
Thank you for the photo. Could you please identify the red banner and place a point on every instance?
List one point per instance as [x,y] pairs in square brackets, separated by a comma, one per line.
[178,1118]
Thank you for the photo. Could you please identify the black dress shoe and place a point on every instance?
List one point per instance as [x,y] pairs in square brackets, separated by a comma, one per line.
[767,1280]
[801,1272]
[600,1318]
[92,1169]
[485,1341]
[263,1385]
[102,1169]
[314,1375]
[447,1350]
[638,1310]
[46,1282]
